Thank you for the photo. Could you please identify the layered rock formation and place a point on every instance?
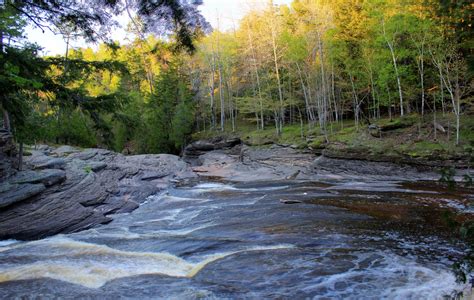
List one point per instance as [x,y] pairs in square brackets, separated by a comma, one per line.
[66,189]
[280,162]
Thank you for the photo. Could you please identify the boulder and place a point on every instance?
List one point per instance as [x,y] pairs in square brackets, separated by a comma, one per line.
[375,131]
[42,148]
[197,148]
[64,151]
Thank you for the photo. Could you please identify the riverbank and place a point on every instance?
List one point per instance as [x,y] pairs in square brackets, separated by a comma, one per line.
[408,140]
[66,189]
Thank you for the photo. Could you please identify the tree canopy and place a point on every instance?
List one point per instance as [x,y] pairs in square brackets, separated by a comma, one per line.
[315,62]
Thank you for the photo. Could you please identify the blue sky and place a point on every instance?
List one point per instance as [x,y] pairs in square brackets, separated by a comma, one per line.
[224,14]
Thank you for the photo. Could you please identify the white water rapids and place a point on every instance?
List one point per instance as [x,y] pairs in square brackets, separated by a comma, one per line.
[217,240]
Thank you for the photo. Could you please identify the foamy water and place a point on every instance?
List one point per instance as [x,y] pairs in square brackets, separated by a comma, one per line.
[94,265]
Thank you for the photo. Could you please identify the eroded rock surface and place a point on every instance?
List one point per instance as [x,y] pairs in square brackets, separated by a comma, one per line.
[66,189]
[194,150]
[280,162]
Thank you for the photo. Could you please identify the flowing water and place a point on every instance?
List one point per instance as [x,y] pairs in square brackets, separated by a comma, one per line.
[333,240]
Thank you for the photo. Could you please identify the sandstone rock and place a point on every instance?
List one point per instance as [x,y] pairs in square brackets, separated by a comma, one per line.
[19,192]
[151,175]
[44,216]
[88,192]
[42,148]
[48,177]
[93,184]
[64,151]
[195,149]
[375,131]
[45,162]
[112,206]
[97,165]
[275,163]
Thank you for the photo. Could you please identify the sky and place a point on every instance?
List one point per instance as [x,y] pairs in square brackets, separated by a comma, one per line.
[222,14]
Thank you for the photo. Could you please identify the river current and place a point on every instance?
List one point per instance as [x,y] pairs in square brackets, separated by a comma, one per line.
[282,239]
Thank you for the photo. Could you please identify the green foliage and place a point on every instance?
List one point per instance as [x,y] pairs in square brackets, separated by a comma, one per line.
[182,124]
[169,115]
[88,169]
[332,59]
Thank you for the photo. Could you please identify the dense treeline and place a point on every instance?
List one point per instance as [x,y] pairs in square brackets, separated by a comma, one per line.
[143,105]
[324,61]
[313,63]
[133,97]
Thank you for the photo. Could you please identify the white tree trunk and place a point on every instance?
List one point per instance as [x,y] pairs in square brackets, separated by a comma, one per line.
[277,73]
[394,60]
[254,58]
[309,111]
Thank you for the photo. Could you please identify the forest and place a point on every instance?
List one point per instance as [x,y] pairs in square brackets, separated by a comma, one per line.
[309,69]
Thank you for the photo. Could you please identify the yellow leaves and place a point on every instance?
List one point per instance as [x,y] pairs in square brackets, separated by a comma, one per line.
[145,87]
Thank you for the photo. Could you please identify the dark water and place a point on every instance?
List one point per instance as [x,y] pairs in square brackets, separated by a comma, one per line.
[345,240]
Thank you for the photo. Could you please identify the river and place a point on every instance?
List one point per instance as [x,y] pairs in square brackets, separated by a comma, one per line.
[275,239]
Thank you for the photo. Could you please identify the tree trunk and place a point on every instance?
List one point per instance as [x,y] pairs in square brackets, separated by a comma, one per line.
[457,95]
[213,109]
[394,59]
[142,39]
[231,103]
[422,82]
[254,58]
[434,117]
[20,157]
[389,104]
[277,72]
[221,95]
[372,88]
[301,124]
[441,88]
[324,94]
[356,102]
[334,94]
[6,120]
[309,111]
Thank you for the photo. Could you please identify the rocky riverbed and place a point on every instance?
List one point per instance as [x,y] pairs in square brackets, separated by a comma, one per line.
[226,221]
[66,189]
